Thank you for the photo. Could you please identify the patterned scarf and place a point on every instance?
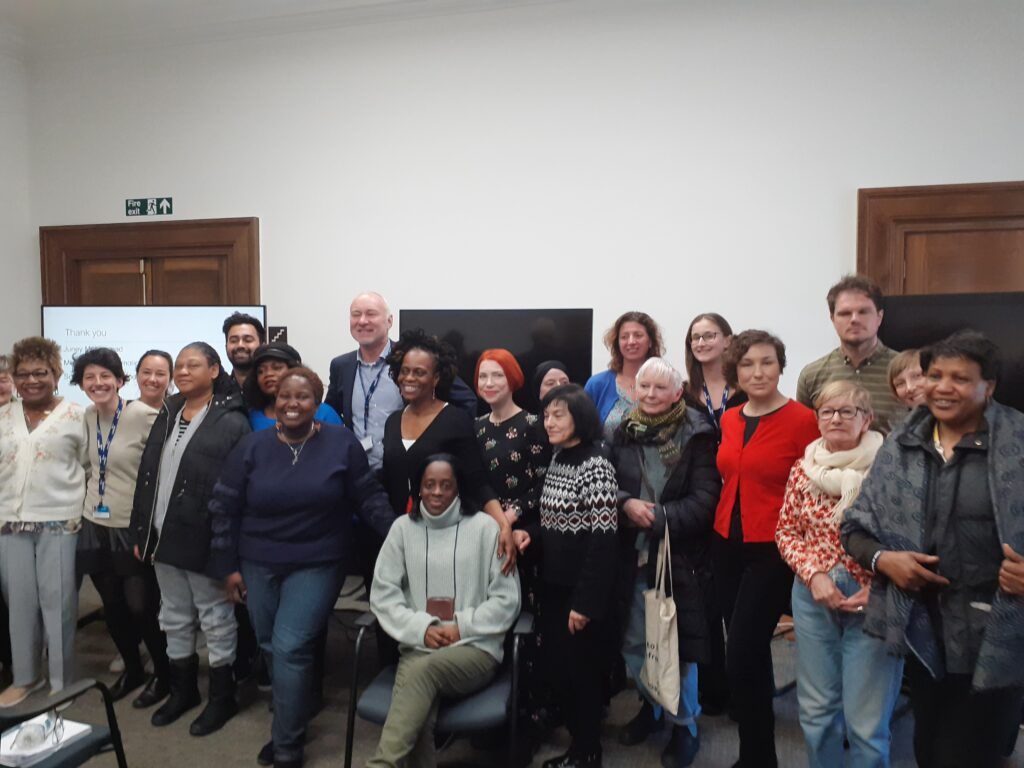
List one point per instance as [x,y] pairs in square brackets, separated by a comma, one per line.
[657,430]
[839,474]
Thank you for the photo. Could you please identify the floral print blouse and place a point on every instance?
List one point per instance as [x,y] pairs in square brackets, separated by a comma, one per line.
[516,455]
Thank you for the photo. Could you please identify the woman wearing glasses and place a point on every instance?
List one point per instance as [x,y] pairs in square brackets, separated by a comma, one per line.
[706,388]
[42,489]
[831,590]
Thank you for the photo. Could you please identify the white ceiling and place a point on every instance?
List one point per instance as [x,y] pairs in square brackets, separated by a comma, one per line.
[71,27]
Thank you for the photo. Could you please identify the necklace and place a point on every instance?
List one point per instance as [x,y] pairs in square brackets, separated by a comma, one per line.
[296,452]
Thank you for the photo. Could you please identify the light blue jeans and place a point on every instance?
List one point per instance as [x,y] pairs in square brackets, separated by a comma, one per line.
[846,682]
[634,649]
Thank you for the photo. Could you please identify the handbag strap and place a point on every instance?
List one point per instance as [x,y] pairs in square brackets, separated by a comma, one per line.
[665,548]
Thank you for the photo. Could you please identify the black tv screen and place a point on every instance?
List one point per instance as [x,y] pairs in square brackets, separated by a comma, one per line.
[916,321]
[532,335]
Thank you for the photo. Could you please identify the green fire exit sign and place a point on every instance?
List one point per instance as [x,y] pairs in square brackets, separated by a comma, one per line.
[148,206]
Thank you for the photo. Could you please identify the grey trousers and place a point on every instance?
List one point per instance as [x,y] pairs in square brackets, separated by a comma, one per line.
[188,599]
[37,573]
[421,680]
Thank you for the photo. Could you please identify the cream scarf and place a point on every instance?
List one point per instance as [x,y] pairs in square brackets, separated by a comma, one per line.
[839,473]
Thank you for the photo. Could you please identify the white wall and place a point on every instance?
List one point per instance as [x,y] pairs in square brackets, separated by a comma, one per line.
[675,157]
[19,249]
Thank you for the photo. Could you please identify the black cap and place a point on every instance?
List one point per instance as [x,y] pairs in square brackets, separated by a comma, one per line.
[276,351]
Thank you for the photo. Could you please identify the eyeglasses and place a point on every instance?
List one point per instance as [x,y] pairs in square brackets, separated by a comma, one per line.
[846,413]
[707,338]
[38,375]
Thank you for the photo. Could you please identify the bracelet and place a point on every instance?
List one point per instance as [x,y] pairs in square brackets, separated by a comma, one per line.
[874,560]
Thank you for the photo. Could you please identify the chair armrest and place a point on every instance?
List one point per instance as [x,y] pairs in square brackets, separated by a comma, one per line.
[42,701]
[366,620]
[524,624]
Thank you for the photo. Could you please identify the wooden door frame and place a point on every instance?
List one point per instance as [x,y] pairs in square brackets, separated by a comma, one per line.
[886,215]
[237,240]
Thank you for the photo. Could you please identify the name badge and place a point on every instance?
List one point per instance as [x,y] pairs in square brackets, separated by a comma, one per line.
[102,512]
[367,443]
[442,608]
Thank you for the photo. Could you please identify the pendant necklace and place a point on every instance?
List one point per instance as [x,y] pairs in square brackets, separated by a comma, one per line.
[296,452]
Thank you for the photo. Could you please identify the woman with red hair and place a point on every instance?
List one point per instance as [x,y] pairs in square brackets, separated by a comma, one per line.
[512,442]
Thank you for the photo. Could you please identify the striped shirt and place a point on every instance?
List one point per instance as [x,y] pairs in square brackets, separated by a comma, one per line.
[872,374]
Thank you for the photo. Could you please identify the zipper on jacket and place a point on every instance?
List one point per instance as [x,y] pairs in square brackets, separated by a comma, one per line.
[156,487]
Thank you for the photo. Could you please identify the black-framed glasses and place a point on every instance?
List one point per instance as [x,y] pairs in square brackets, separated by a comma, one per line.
[846,413]
[38,375]
[707,338]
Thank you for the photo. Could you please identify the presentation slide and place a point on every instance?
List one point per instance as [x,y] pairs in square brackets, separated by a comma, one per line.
[131,331]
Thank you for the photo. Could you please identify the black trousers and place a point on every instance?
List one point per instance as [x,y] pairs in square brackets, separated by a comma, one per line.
[753,584]
[131,607]
[576,667]
[955,726]
[712,678]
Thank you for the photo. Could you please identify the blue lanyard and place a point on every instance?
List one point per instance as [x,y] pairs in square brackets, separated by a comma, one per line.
[368,393]
[103,449]
[716,416]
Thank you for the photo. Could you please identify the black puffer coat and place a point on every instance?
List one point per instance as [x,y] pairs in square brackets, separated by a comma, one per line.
[184,540]
[687,503]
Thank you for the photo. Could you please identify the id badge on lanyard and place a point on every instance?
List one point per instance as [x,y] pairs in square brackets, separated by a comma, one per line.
[102,511]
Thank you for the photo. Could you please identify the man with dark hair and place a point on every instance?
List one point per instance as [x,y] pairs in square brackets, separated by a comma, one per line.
[242,334]
[855,307]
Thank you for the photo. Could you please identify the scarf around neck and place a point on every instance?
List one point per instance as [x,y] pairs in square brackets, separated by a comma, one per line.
[839,474]
[657,430]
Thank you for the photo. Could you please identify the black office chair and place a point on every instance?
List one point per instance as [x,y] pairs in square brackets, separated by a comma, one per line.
[100,739]
[490,707]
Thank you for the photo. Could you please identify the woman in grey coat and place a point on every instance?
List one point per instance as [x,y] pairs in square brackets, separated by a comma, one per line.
[938,520]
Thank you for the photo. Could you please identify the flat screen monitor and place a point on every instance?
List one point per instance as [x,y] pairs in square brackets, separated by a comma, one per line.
[131,331]
[916,321]
[532,335]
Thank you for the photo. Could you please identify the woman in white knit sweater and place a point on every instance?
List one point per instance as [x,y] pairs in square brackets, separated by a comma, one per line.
[42,488]
[439,591]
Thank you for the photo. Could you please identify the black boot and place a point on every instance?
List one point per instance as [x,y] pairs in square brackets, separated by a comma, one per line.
[182,674]
[681,749]
[222,705]
[640,727]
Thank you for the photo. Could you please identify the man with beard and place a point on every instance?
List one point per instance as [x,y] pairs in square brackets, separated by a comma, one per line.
[242,334]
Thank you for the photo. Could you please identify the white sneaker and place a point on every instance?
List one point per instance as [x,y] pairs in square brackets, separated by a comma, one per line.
[16,694]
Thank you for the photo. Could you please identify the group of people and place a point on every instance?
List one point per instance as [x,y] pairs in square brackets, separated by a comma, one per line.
[880,508]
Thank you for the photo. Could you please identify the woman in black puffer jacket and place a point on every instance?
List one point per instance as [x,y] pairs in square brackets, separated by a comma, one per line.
[664,457]
[192,436]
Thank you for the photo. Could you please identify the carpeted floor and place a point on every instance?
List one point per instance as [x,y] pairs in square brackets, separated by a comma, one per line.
[240,740]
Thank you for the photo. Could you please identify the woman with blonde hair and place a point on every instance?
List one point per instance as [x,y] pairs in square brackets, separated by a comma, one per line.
[906,379]
[835,696]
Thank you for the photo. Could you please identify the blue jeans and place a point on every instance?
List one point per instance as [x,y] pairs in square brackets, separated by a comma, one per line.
[288,611]
[846,682]
[634,649]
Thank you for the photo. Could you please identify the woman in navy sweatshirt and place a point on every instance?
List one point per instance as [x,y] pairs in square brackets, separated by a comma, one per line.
[282,521]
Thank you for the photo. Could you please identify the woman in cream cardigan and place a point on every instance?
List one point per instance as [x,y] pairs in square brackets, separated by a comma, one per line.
[42,489]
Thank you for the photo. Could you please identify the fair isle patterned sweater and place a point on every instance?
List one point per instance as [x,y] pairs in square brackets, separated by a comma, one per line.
[578,533]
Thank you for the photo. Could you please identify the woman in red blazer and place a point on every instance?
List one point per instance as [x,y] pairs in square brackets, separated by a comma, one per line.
[760,441]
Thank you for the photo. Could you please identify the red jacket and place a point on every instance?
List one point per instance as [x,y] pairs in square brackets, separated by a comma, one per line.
[758,470]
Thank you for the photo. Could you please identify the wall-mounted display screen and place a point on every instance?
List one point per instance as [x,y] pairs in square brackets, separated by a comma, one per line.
[916,321]
[131,331]
[532,335]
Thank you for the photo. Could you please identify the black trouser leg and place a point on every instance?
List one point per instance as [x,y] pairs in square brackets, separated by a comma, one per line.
[120,622]
[576,668]
[712,677]
[955,726]
[142,595]
[754,585]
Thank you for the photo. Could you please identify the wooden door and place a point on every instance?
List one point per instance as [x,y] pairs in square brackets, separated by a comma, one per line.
[205,261]
[964,238]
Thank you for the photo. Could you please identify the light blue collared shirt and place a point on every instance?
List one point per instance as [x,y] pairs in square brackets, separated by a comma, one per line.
[370,414]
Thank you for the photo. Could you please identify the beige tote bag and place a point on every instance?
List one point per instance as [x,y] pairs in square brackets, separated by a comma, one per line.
[660,674]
